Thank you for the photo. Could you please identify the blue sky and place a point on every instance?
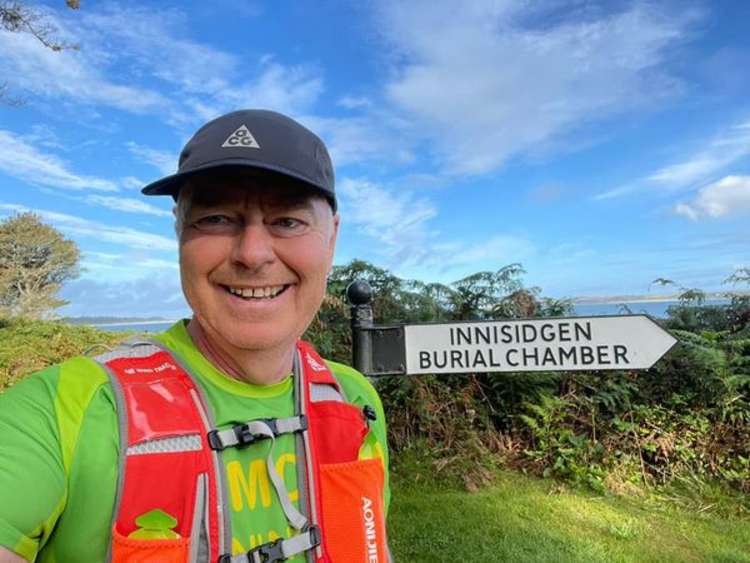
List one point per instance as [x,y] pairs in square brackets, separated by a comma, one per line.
[602,145]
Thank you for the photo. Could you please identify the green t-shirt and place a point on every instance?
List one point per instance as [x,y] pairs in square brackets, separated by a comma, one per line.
[59,447]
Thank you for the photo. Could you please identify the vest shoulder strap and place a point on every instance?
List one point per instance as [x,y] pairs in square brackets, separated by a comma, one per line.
[165,463]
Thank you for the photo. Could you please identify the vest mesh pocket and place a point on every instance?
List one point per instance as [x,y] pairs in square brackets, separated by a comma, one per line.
[353,516]
[128,550]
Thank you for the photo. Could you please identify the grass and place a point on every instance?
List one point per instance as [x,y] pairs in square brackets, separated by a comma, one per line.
[520,518]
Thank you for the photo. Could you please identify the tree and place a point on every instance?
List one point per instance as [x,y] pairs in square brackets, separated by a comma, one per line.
[739,307]
[16,17]
[35,260]
[480,295]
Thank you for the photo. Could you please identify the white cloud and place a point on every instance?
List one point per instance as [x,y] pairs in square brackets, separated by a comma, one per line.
[159,264]
[401,227]
[490,254]
[132,183]
[700,166]
[355,102]
[730,195]
[23,161]
[68,74]
[79,227]
[127,205]
[122,266]
[720,152]
[397,222]
[210,81]
[158,294]
[44,136]
[164,161]
[486,84]
[153,41]
[287,89]
[129,54]
[356,139]
[292,90]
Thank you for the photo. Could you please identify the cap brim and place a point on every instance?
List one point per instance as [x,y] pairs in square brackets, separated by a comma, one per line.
[171,185]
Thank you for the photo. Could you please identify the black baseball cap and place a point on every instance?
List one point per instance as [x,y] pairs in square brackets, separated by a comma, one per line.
[262,140]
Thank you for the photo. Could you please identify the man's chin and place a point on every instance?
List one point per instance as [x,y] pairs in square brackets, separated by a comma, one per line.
[256,339]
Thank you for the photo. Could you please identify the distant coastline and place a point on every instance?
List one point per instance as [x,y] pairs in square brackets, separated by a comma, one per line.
[609,299]
[711,297]
[114,321]
[138,322]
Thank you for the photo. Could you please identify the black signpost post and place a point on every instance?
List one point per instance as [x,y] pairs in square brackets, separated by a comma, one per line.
[502,345]
[376,350]
[359,294]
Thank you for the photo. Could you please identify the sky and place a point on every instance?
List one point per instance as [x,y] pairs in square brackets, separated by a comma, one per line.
[601,145]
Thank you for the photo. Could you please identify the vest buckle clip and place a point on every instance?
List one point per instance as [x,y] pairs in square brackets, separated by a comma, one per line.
[270,552]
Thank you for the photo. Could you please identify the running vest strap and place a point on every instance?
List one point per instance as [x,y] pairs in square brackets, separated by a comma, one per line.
[170,462]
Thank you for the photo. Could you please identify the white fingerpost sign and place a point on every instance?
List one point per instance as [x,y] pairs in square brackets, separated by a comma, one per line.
[560,344]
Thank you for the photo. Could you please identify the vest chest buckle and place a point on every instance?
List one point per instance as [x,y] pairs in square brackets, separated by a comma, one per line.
[270,552]
[283,549]
[244,436]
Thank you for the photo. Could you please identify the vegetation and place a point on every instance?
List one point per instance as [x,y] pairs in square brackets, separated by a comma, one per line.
[28,345]
[35,260]
[517,518]
[687,417]
[647,466]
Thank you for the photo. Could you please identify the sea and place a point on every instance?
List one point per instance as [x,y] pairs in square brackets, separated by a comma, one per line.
[148,326]
[657,309]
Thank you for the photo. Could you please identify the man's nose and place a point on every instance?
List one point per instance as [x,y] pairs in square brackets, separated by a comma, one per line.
[254,247]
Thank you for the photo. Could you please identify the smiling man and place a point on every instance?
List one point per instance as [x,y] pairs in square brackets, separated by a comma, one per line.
[227,438]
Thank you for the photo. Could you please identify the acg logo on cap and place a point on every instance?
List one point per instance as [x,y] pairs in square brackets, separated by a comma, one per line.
[242,137]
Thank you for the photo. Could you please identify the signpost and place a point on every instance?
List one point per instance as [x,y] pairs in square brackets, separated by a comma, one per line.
[547,344]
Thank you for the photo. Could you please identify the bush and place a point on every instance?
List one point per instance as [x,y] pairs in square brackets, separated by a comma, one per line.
[28,345]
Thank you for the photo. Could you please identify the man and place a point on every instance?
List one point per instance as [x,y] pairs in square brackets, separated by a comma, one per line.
[226,438]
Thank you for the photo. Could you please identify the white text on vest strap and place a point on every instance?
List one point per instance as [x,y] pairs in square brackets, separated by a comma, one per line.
[371,539]
[163,367]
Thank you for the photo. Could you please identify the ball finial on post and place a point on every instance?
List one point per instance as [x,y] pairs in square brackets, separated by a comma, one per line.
[359,292]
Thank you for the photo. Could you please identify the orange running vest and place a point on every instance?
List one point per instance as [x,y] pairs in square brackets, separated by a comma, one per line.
[170,462]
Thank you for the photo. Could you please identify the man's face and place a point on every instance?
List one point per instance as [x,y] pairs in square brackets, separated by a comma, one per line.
[254,260]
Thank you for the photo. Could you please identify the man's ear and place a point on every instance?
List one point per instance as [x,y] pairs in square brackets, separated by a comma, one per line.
[334,235]
[177,225]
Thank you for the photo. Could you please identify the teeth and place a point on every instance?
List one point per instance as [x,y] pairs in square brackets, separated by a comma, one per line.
[256,292]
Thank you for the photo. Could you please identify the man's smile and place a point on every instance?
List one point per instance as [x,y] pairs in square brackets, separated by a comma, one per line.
[262,292]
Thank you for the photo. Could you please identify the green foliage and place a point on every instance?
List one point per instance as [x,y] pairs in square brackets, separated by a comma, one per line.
[30,345]
[332,337]
[35,260]
[556,446]
[618,431]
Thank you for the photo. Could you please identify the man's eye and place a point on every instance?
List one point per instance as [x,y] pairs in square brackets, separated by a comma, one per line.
[212,222]
[289,223]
